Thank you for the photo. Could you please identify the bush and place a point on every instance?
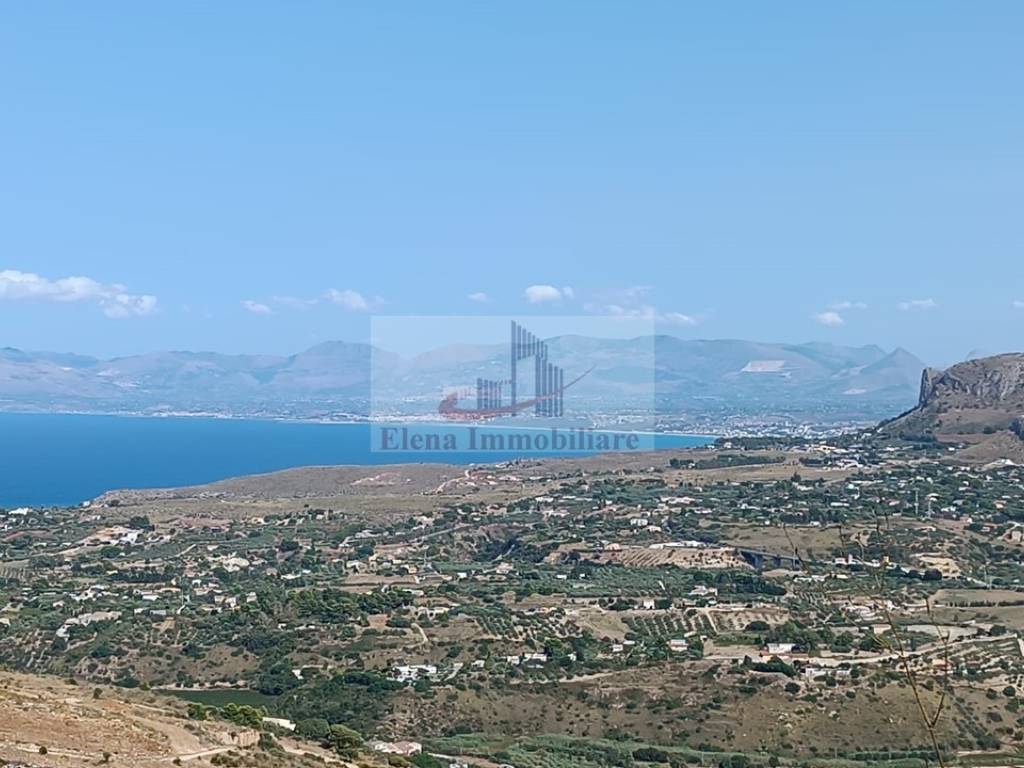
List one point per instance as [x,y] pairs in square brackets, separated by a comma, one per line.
[650,755]
[313,728]
[345,741]
[424,760]
[243,715]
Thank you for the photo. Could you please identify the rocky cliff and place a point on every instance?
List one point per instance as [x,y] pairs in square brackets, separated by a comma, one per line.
[988,380]
[970,402]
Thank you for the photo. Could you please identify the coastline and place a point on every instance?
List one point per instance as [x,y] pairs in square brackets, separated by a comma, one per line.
[410,421]
[64,459]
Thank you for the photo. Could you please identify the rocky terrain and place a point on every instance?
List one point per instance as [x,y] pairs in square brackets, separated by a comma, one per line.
[46,722]
[980,402]
[996,381]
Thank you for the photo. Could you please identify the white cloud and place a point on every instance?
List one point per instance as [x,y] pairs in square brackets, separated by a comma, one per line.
[256,308]
[125,305]
[830,318]
[632,303]
[539,294]
[351,300]
[916,305]
[678,318]
[642,312]
[480,297]
[293,302]
[1018,304]
[113,298]
[568,292]
[833,316]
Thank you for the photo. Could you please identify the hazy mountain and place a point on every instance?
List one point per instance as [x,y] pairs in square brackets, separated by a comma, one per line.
[334,367]
[335,376]
[772,371]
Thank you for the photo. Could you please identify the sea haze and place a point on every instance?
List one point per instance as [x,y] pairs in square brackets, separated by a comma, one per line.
[62,459]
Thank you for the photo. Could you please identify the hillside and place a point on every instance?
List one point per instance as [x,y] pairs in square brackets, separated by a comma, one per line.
[47,722]
[979,401]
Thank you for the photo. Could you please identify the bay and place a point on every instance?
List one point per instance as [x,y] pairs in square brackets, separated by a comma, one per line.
[64,459]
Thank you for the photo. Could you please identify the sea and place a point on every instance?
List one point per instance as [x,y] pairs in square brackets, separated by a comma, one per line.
[65,459]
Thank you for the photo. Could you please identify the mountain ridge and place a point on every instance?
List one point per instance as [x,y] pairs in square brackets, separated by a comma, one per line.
[335,376]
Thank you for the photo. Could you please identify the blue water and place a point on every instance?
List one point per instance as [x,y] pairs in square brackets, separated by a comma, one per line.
[62,459]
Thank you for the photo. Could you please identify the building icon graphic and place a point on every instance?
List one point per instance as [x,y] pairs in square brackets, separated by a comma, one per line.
[502,397]
[548,378]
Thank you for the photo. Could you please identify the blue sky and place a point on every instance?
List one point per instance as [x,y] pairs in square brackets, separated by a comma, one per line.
[259,177]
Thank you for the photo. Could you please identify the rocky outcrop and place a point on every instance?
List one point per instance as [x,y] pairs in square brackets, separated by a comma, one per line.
[969,402]
[988,381]
[929,377]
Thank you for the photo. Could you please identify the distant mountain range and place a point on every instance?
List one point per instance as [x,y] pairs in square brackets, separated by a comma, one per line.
[334,378]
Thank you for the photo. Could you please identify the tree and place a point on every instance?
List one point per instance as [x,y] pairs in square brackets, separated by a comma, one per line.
[345,741]
[313,728]
[243,715]
[870,643]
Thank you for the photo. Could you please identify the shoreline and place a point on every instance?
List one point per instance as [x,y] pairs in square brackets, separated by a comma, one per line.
[411,422]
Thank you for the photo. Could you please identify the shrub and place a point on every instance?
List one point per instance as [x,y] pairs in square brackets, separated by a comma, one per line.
[345,741]
[314,728]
